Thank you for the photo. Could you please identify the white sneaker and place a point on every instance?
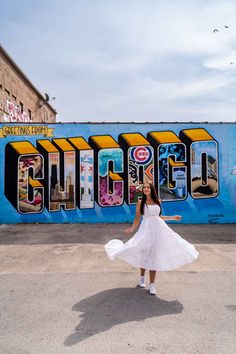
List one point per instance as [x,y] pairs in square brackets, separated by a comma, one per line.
[142,282]
[152,289]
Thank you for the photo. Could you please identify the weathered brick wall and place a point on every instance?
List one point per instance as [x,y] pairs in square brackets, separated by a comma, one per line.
[14,90]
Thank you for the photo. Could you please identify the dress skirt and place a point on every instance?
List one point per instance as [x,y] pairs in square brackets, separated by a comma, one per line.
[155,246]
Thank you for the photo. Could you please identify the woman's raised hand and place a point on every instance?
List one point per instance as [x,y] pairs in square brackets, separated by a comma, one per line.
[177,217]
[129,230]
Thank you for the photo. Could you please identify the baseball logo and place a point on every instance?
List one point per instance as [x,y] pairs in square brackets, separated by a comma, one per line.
[141,154]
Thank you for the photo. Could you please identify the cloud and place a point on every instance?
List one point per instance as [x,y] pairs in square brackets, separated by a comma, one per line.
[130,60]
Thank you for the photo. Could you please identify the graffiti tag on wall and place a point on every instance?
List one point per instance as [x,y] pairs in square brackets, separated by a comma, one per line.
[14,113]
[72,173]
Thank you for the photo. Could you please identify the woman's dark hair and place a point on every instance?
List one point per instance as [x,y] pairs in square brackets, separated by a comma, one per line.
[153,196]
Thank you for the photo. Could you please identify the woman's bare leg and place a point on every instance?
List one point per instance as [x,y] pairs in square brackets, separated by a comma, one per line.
[142,272]
[152,274]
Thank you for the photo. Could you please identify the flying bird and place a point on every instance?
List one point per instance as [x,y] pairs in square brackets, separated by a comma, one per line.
[226,26]
[215,30]
[231,63]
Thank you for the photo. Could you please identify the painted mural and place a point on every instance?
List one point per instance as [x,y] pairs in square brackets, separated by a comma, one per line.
[95,172]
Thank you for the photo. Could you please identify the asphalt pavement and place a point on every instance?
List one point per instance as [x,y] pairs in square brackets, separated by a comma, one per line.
[59,293]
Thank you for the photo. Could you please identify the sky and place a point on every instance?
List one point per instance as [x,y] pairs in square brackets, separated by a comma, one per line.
[140,61]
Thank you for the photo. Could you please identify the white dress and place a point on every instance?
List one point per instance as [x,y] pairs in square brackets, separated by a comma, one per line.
[155,246]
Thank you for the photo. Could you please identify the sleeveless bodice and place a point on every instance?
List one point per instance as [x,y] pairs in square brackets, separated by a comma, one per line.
[151,210]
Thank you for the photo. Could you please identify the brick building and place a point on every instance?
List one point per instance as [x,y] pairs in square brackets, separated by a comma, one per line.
[20,101]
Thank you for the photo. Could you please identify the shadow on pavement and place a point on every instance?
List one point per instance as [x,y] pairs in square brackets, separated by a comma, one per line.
[112,307]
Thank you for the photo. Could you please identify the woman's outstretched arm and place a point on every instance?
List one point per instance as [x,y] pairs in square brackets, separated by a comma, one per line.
[174,217]
[136,219]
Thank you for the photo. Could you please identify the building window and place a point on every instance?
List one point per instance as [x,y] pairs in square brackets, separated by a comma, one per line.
[21,107]
[8,92]
[0,86]
[29,114]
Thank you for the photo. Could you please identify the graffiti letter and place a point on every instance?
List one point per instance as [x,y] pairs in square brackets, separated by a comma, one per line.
[85,173]
[170,157]
[23,170]
[203,162]
[139,160]
[108,165]
[60,173]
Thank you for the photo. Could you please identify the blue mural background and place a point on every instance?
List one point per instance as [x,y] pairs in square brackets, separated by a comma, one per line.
[220,209]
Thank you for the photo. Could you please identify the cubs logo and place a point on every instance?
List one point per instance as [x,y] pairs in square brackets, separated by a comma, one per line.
[141,154]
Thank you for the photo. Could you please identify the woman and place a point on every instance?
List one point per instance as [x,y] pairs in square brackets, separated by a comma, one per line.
[155,246]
